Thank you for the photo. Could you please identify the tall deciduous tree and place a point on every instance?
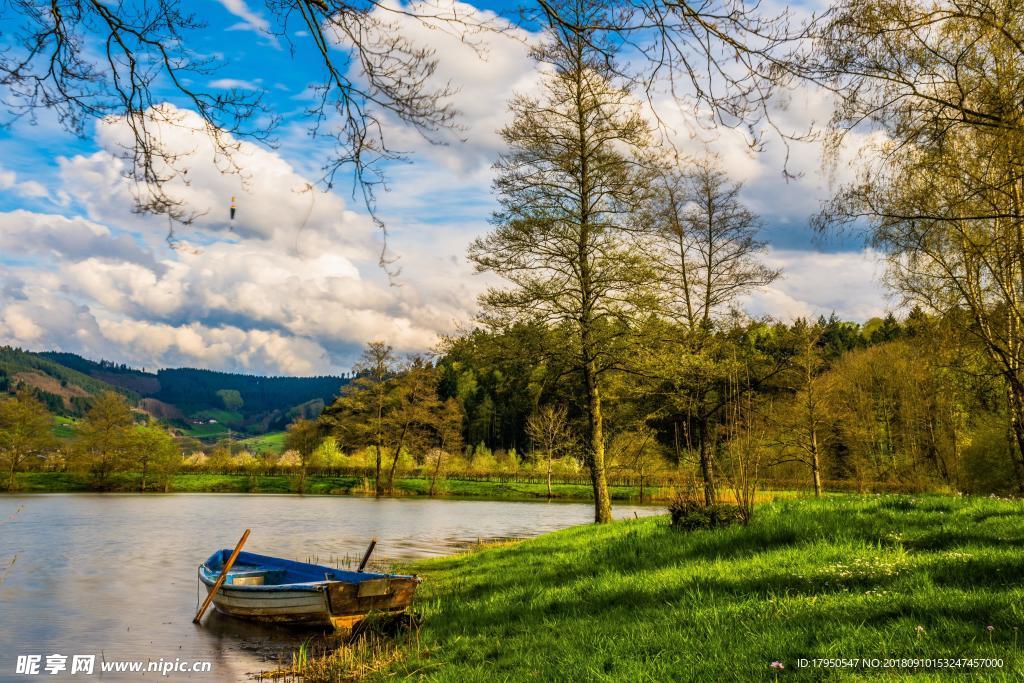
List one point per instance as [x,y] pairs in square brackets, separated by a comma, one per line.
[26,432]
[156,454]
[393,409]
[303,436]
[358,416]
[415,421]
[450,417]
[942,186]
[704,240]
[574,171]
[802,425]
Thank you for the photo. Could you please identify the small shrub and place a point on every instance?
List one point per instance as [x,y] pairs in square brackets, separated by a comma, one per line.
[689,515]
[244,460]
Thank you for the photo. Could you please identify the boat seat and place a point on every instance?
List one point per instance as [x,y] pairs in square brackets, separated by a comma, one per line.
[254,577]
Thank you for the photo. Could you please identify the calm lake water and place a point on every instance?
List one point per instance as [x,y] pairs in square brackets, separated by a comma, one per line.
[115,575]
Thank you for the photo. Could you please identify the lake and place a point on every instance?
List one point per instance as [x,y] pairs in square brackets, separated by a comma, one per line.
[115,575]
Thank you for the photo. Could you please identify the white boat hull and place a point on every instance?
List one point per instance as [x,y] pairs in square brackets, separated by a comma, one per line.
[300,606]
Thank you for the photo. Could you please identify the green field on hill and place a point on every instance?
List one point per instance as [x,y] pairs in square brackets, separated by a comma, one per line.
[65,427]
[271,442]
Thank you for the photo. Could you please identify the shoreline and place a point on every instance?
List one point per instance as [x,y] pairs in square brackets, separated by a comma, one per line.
[28,483]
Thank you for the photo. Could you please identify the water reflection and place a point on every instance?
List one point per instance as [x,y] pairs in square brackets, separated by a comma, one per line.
[115,575]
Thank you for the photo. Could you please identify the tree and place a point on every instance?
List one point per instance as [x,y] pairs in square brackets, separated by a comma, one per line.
[105,437]
[26,432]
[637,451]
[231,399]
[549,432]
[394,410]
[500,375]
[941,186]
[156,454]
[577,166]
[358,415]
[416,418]
[303,437]
[744,447]
[706,242]
[802,426]
[449,436]
[692,378]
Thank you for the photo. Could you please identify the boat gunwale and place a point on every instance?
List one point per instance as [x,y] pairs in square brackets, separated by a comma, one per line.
[209,576]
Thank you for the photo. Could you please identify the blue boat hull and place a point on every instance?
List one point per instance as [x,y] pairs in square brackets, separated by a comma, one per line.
[273,589]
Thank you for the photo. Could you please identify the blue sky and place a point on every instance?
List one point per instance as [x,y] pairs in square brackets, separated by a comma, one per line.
[293,286]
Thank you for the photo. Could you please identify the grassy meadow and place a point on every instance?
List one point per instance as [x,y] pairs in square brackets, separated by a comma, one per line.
[875,577]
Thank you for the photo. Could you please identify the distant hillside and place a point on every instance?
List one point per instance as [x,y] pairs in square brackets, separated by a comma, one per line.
[200,403]
[258,394]
[118,375]
[63,389]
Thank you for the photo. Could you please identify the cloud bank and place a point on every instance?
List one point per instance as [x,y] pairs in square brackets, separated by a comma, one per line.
[289,286]
[292,286]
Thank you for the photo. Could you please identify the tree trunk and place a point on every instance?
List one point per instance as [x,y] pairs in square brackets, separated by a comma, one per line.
[1017,423]
[602,501]
[707,467]
[14,467]
[815,464]
[394,460]
[391,472]
[549,474]
[378,485]
[437,471]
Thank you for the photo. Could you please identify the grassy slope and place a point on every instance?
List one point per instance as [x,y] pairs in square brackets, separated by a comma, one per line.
[637,601]
[222,416]
[15,361]
[204,431]
[272,441]
[68,432]
[47,375]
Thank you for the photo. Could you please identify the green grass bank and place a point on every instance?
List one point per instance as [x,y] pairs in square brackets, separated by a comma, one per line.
[127,482]
[877,577]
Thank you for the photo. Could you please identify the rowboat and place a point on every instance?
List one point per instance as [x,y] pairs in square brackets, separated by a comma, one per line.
[273,589]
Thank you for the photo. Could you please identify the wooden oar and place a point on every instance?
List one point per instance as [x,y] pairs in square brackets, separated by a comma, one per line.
[220,579]
[366,556]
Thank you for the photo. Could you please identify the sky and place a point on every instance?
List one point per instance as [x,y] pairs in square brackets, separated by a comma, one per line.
[292,286]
